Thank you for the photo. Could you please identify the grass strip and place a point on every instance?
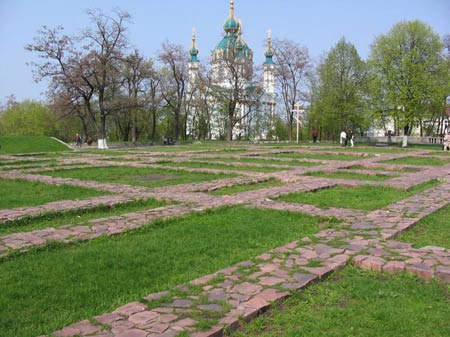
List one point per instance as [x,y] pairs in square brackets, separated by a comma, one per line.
[379,168]
[263,161]
[19,193]
[350,175]
[49,288]
[319,156]
[433,230]
[363,197]
[205,164]
[433,161]
[150,177]
[359,303]
[247,187]
[76,217]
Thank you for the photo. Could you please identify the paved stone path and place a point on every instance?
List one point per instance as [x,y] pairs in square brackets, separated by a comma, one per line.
[242,291]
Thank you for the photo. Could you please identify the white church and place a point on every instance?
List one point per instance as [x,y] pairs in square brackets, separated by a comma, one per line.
[233,45]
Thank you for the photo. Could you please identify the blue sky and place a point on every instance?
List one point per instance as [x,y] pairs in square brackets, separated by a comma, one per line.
[315,24]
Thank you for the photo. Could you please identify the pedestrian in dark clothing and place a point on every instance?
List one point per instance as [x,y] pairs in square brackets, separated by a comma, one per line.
[314,135]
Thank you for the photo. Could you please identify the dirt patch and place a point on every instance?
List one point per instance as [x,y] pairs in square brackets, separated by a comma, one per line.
[154,177]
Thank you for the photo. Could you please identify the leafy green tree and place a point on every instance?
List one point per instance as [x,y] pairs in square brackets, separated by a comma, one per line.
[406,68]
[339,92]
[28,118]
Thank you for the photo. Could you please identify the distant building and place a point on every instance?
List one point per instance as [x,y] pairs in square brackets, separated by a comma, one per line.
[233,48]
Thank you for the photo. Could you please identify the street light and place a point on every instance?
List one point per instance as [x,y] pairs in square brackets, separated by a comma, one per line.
[297,109]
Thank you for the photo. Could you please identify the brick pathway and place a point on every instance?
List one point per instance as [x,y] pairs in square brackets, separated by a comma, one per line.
[246,289]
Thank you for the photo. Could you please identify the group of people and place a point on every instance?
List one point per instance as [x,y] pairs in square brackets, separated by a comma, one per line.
[79,140]
[345,138]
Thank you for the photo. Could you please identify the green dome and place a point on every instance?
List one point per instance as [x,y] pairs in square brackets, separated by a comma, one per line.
[193,52]
[231,42]
[269,50]
[231,25]
[269,54]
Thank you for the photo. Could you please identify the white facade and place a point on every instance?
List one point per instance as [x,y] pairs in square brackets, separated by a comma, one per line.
[233,55]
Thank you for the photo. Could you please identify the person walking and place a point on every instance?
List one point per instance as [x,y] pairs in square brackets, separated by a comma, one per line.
[343,138]
[314,134]
[446,142]
[78,140]
[352,137]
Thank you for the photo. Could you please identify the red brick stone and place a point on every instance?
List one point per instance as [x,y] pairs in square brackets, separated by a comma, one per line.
[373,263]
[247,288]
[443,273]
[133,333]
[357,260]
[157,328]
[421,270]
[167,318]
[86,328]
[393,267]
[272,295]
[143,317]
[216,331]
[121,326]
[107,318]
[67,332]
[256,303]
[319,271]
[130,308]
[231,322]
[186,322]
[270,281]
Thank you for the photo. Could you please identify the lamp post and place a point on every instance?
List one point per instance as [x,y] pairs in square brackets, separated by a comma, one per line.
[297,109]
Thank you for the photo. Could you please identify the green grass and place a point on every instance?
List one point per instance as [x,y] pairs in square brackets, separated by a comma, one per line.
[247,187]
[350,175]
[77,217]
[124,152]
[358,303]
[10,162]
[19,193]
[204,164]
[262,161]
[366,148]
[47,289]
[150,177]
[432,230]
[28,144]
[379,168]
[433,161]
[319,156]
[363,197]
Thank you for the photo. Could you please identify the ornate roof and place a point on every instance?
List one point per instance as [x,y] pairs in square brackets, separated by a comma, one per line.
[232,42]
[193,51]
[269,50]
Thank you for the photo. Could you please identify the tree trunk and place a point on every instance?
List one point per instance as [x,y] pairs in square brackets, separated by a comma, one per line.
[230,125]
[133,126]
[177,124]
[153,132]
[289,127]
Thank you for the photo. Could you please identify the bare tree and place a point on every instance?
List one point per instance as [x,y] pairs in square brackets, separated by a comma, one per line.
[235,93]
[68,70]
[107,43]
[153,97]
[202,105]
[174,81]
[87,71]
[136,72]
[291,70]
